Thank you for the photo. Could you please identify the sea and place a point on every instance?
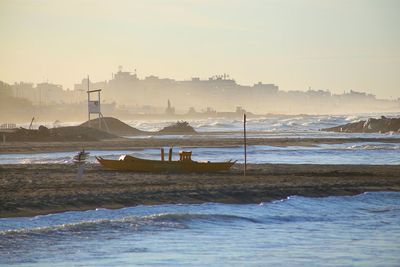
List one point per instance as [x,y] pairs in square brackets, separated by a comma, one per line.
[279,126]
[360,230]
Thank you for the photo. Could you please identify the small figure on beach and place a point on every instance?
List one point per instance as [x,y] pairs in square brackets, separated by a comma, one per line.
[80,160]
[81,156]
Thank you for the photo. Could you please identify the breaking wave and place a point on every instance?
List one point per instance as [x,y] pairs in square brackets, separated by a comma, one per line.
[374,147]
[136,223]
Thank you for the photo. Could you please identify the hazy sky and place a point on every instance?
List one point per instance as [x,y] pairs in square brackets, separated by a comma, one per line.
[337,45]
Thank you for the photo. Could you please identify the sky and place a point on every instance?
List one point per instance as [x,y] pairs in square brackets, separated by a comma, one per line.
[336,45]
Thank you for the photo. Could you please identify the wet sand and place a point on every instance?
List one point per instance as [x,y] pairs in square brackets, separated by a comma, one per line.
[209,141]
[28,190]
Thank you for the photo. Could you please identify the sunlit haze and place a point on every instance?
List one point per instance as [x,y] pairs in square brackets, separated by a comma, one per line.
[199,133]
[330,45]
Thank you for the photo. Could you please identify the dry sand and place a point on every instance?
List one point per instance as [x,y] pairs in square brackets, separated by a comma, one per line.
[27,190]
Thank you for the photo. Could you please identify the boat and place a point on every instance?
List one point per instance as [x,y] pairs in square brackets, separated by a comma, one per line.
[184,164]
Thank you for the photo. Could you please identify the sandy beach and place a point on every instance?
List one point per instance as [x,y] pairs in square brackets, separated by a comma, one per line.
[28,190]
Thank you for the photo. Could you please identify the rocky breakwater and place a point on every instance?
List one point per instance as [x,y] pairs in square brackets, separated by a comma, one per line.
[372,125]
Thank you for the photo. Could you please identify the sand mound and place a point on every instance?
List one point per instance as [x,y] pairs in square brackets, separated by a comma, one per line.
[110,128]
[61,134]
[113,126]
[180,127]
[382,125]
[117,127]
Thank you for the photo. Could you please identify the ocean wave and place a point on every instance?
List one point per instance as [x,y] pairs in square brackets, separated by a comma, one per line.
[383,209]
[52,160]
[216,124]
[199,217]
[352,119]
[278,200]
[40,161]
[374,147]
[136,223]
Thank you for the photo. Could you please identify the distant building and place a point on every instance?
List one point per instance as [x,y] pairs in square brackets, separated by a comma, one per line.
[43,93]
[6,89]
[51,93]
[318,93]
[25,90]
[80,89]
[266,88]
[240,110]
[191,111]
[355,94]
[169,110]
[210,111]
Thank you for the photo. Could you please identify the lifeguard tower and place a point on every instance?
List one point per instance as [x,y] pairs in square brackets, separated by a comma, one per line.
[94,105]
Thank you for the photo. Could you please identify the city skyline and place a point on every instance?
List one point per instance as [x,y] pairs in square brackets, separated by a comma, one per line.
[189,79]
[81,84]
[129,92]
[354,46]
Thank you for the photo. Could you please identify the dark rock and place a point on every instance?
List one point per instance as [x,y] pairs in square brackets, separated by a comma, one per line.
[372,125]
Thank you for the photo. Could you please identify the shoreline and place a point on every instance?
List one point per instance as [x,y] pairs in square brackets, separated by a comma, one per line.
[134,144]
[30,190]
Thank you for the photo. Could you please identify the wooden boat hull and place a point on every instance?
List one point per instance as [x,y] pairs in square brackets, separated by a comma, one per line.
[143,165]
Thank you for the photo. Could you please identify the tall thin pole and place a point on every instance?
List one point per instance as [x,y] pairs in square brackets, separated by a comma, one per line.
[88,95]
[98,96]
[245,144]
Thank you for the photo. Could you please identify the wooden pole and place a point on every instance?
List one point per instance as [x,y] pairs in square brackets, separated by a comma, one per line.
[30,125]
[170,154]
[98,97]
[245,144]
[88,95]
